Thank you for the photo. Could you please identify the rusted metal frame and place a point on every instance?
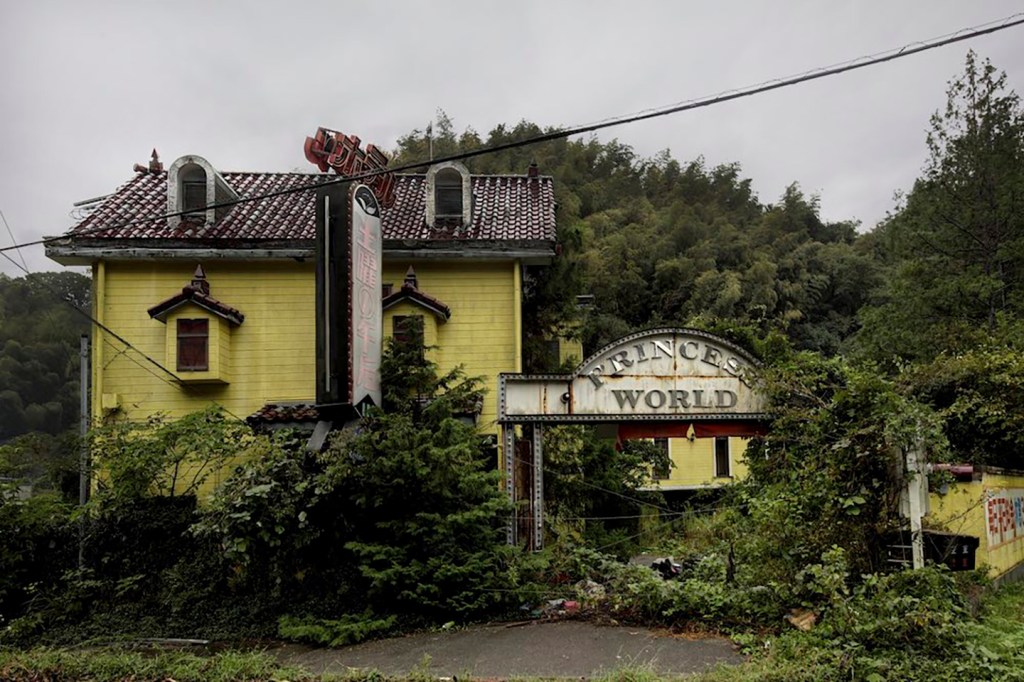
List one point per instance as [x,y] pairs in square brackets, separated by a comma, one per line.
[538,487]
[615,418]
[508,433]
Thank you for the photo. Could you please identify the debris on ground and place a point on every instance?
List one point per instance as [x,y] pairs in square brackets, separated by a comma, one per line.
[801,619]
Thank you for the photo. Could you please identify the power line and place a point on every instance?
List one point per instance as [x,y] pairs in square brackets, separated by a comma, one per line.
[94,320]
[561,133]
[174,380]
[13,240]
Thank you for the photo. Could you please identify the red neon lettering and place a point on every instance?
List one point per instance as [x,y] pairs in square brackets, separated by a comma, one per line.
[331,149]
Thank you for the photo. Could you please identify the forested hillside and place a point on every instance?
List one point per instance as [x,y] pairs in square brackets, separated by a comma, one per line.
[39,349]
[664,241]
[933,296]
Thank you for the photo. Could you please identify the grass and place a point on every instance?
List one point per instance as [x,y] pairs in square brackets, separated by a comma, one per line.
[997,639]
[58,665]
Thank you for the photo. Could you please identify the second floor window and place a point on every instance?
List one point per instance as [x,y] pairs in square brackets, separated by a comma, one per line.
[408,330]
[193,345]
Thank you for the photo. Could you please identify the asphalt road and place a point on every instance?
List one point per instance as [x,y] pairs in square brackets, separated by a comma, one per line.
[541,649]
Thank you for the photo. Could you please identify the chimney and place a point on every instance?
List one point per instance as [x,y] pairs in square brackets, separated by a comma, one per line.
[533,179]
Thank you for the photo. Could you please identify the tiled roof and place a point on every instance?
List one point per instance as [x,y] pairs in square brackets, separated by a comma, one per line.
[408,293]
[504,208]
[190,294]
[197,292]
[294,412]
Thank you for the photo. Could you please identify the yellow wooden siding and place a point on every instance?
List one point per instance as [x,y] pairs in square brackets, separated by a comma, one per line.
[694,463]
[482,331]
[272,355]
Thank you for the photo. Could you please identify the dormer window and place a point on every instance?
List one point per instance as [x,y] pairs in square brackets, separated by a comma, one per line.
[192,186]
[448,196]
[198,335]
[448,193]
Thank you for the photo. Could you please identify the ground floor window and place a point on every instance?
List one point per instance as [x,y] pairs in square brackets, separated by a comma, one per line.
[664,470]
[722,468]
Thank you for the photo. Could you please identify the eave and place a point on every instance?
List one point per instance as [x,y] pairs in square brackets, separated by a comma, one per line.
[417,297]
[72,251]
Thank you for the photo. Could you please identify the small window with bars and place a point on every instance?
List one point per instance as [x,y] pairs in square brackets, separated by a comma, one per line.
[193,345]
[722,467]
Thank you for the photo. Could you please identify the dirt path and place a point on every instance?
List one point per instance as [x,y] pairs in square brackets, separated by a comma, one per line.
[541,649]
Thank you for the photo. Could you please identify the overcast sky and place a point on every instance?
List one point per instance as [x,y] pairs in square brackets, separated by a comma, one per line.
[87,89]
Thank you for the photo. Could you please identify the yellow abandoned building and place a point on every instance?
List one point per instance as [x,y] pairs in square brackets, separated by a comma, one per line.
[219,304]
[223,299]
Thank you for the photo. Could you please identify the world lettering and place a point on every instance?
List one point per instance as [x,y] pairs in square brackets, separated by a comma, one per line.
[675,400]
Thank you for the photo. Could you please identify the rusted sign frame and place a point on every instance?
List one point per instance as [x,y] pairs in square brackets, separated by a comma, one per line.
[556,397]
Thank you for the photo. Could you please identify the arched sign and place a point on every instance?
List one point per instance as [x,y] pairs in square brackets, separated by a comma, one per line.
[653,383]
[655,375]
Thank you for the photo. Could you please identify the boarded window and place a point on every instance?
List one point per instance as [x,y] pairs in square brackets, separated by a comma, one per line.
[663,470]
[408,329]
[448,193]
[722,457]
[193,345]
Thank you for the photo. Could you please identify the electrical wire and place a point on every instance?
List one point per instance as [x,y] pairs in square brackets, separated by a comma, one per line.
[561,133]
[13,240]
[174,379]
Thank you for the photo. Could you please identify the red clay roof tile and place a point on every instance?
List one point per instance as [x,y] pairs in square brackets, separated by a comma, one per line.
[504,208]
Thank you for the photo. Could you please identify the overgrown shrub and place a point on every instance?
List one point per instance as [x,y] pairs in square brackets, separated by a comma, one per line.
[593,491]
[37,544]
[402,516]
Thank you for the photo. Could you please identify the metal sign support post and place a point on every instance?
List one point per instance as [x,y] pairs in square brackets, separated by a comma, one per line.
[914,482]
[508,432]
[83,433]
[537,498]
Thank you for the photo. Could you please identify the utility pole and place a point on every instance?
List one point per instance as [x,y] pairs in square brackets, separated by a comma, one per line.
[83,443]
[83,419]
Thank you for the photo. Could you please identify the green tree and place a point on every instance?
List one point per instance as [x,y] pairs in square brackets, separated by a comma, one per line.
[39,345]
[956,247]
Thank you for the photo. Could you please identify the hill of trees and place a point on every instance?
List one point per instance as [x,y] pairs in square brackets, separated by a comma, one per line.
[933,296]
[39,352]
